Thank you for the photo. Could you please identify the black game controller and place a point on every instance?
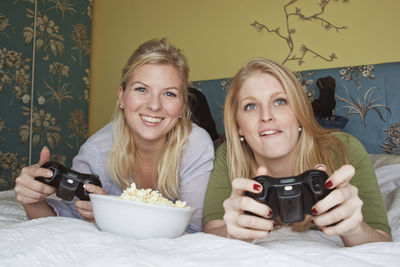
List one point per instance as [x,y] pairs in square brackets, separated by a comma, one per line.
[291,197]
[69,183]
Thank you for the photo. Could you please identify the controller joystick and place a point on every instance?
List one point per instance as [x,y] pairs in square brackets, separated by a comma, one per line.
[69,183]
[292,197]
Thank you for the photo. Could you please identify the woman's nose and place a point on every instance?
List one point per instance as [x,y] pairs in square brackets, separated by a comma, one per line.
[266,114]
[154,103]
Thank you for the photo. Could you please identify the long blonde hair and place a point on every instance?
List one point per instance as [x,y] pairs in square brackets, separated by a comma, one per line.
[123,159]
[315,145]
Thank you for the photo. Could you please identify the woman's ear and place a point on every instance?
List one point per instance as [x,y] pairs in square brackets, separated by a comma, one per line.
[185,103]
[120,95]
[240,131]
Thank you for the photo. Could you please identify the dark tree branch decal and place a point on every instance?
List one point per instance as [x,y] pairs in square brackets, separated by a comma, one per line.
[289,31]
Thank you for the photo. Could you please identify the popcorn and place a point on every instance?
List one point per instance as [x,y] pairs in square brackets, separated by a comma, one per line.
[149,196]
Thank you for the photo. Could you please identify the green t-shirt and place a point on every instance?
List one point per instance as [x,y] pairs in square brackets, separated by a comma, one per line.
[373,210]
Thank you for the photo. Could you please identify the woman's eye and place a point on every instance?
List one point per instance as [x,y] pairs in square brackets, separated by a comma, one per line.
[170,94]
[140,89]
[250,107]
[280,101]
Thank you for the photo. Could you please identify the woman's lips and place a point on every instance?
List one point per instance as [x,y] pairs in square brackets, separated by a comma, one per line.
[150,119]
[269,132]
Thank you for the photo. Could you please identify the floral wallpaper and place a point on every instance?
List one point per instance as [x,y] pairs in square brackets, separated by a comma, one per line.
[366,97]
[44,81]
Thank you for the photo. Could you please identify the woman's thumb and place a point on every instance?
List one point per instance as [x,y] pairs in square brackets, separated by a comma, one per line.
[262,170]
[44,156]
[321,167]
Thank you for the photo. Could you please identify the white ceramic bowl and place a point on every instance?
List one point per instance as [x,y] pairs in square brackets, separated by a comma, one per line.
[139,220]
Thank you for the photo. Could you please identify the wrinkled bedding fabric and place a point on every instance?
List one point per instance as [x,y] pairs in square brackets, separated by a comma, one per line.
[60,241]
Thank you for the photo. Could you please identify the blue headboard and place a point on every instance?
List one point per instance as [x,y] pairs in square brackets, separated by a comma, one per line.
[366,96]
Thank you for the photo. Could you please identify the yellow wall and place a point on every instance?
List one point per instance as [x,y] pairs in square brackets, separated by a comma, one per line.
[217,38]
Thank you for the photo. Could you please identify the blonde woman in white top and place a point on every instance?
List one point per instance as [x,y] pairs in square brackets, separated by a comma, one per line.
[150,141]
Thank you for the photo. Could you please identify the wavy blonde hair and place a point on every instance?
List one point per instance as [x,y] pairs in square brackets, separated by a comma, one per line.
[123,159]
[315,145]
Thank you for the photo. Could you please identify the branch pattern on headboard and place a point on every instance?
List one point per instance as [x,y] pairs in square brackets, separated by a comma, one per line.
[367,96]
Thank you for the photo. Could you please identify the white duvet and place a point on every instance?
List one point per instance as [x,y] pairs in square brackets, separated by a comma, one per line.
[59,241]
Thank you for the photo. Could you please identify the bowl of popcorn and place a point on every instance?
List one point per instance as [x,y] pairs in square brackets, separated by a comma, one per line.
[141,214]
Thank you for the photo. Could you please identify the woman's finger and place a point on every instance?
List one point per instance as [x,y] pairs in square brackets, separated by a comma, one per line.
[32,188]
[335,198]
[91,188]
[83,205]
[245,234]
[35,171]
[254,222]
[241,185]
[321,167]
[341,177]
[262,170]
[26,200]
[29,194]
[240,204]
[88,215]
[85,209]
[344,226]
[44,156]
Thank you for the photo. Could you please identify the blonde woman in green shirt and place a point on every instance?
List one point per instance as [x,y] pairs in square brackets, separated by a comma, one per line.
[271,130]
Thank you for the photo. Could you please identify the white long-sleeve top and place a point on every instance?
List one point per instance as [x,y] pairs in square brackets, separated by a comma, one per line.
[195,167]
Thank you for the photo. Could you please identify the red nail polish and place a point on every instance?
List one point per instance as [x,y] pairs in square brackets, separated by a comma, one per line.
[314,211]
[328,184]
[257,187]
[270,214]
[312,221]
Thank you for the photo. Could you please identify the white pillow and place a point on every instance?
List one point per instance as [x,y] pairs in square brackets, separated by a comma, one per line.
[379,160]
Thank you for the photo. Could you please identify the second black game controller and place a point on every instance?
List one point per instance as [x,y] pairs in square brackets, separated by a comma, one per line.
[69,183]
[292,197]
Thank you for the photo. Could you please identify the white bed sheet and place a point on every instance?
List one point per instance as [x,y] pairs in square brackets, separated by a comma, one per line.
[59,241]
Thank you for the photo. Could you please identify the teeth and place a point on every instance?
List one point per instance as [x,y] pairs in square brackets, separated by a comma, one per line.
[151,119]
[268,132]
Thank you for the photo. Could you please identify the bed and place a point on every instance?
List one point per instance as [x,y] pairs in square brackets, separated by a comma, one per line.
[58,241]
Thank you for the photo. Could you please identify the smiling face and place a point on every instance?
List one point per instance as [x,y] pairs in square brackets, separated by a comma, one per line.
[265,118]
[152,100]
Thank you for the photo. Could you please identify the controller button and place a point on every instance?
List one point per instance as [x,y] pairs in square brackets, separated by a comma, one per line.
[317,187]
[316,184]
[288,188]
[70,181]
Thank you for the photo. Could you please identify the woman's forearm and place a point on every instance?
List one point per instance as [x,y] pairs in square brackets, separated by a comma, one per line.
[215,227]
[39,210]
[365,234]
